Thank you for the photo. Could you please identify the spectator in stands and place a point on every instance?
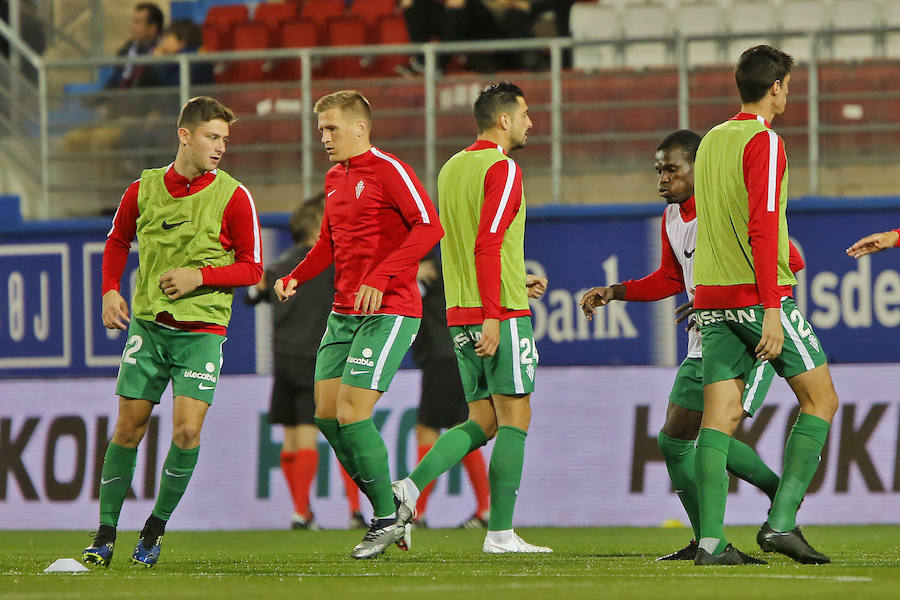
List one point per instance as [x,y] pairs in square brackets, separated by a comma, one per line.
[146,30]
[181,37]
[458,20]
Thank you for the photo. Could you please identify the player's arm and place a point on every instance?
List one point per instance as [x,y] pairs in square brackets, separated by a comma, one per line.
[795,260]
[114,312]
[240,232]
[502,201]
[875,243]
[764,166]
[665,281]
[319,258]
[401,186]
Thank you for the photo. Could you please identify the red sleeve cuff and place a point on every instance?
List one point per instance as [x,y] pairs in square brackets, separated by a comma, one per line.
[898,238]
[379,282]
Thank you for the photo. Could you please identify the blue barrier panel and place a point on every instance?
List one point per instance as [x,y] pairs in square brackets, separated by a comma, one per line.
[50,289]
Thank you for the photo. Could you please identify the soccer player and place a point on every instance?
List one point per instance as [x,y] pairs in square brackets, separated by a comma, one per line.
[442,403]
[487,291]
[379,223]
[745,310]
[198,238]
[875,243]
[675,171]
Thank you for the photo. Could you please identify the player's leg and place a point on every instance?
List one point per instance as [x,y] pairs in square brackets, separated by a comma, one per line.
[456,442]
[676,443]
[426,436]
[378,346]
[301,439]
[743,461]
[143,376]
[510,379]
[351,491]
[726,360]
[803,364]
[473,462]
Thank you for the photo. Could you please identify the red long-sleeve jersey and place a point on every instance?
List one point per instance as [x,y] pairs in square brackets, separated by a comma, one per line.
[240,232]
[379,223]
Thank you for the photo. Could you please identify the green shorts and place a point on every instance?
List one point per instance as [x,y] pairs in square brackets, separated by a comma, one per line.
[365,351]
[155,354]
[730,337]
[687,391]
[509,372]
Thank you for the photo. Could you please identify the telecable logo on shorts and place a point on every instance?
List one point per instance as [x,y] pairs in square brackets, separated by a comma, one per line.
[737,315]
[364,360]
[195,375]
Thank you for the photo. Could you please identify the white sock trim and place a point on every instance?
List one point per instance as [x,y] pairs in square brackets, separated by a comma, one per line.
[709,544]
[500,537]
[411,490]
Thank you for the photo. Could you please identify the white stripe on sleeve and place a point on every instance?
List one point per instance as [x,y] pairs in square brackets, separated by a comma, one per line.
[257,245]
[504,199]
[409,184]
[773,169]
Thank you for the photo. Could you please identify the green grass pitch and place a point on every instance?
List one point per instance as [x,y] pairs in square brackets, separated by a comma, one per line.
[587,563]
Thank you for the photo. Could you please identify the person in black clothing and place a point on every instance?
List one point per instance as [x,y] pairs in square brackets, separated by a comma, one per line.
[182,36]
[146,29]
[442,403]
[296,330]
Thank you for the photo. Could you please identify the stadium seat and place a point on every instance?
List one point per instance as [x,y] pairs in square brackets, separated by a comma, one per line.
[322,10]
[226,17]
[273,15]
[345,31]
[372,10]
[248,36]
[391,29]
[214,38]
[298,33]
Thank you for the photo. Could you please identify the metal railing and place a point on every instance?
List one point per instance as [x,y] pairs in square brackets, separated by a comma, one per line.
[555,161]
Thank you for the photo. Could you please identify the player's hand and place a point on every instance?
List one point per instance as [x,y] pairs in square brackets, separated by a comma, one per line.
[594,297]
[873,243]
[427,272]
[282,292]
[115,311]
[535,285]
[368,299]
[684,312]
[769,346]
[490,338]
[180,281]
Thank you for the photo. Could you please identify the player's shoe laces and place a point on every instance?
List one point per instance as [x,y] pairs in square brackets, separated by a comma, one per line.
[406,506]
[357,521]
[147,550]
[381,534]
[790,543]
[308,523]
[474,522]
[689,552]
[514,544]
[100,552]
[730,556]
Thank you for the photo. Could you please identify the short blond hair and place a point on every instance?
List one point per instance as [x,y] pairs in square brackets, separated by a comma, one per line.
[202,109]
[347,101]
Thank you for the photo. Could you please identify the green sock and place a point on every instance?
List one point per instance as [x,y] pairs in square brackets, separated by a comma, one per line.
[448,450]
[364,443]
[330,429]
[745,463]
[115,481]
[712,487]
[801,459]
[177,470]
[505,474]
[679,456]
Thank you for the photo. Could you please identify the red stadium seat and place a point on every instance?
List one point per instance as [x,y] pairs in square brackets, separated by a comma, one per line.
[214,39]
[345,31]
[372,10]
[226,17]
[248,36]
[322,10]
[273,15]
[298,33]
[391,30]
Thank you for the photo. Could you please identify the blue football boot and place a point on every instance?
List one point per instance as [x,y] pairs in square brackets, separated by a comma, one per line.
[98,553]
[147,556]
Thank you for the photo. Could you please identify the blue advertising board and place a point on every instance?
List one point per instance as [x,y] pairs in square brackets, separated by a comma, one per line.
[50,289]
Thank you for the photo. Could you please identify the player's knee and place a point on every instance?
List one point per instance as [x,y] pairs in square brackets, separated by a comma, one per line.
[186,436]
